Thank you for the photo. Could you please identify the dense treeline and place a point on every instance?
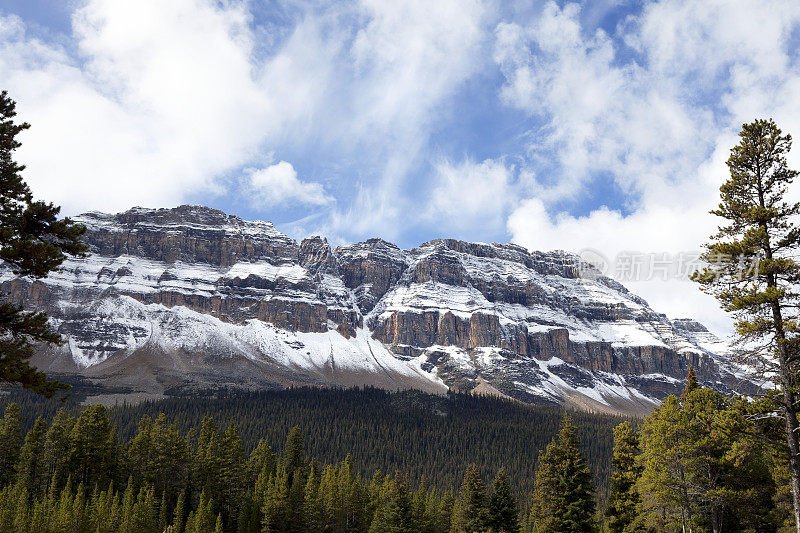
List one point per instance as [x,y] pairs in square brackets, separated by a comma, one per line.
[424,436]
[73,474]
[701,462]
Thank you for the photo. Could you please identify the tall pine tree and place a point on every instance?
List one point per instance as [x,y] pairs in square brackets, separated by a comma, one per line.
[11,439]
[702,470]
[623,502]
[34,242]
[752,271]
[469,510]
[563,499]
[30,470]
[396,515]
[503,515]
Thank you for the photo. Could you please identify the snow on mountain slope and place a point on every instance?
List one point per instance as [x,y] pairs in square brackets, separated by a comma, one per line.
[191,297]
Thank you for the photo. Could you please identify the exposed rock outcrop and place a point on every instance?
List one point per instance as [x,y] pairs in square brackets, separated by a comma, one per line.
[187,282]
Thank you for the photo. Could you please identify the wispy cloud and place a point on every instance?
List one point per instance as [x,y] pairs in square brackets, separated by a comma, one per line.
[655,107]
[619,114]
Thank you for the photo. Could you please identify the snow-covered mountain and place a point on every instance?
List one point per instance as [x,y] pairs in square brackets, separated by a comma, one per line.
[191,297]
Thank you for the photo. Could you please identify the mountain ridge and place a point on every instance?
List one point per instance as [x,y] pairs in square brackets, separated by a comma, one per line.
[191,297]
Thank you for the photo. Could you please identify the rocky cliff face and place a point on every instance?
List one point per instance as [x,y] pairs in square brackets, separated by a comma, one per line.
[192,297]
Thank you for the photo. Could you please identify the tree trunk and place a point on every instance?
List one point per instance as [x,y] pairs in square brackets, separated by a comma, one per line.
[790,413]
[716,520]
[789,410]
[791,422]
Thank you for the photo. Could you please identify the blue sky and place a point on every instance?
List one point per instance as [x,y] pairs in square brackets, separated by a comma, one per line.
[601,125]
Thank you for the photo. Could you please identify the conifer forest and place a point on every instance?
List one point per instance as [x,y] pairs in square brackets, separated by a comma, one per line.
[308,460]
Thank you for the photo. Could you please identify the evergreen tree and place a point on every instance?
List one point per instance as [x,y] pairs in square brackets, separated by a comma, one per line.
[79,513]
[563,499]
[126,511]
[313,505]
[207,462]
[140,451]
[309,498]
[93,447]
[34,242]
[503,511]
[444,512]
[691,381]
[143,517]
[163,512]
[276,497]
[57,445]
[202,519]
[752,271]
[469,510]
[295,504]
[701,468]
[179,514]
[422,516]
[261,458]
[623,501]
[234,473]
[30,470]
[294,453]
[105,511]
[63,512]
[21,513]
[396,515]
[11,438]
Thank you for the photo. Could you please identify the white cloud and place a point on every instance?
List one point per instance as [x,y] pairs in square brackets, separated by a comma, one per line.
[672,233]
[159,103]
[278,185]
[659,118]
[469,195]
[600,115]
[411,54]
[407,60]
[151,102]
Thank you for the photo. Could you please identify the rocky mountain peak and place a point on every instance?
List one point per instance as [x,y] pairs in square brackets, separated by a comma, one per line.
[688,324]
[315,253]
[192,297]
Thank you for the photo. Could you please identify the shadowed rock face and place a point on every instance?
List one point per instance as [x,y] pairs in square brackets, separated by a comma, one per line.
[178,283]
[189,234]
[370,269]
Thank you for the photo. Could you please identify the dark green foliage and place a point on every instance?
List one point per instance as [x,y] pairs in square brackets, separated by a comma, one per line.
[261,460]
[691,381]
[11,439]
[396,514]
[563,498]
[751,269]
[294,456]
[170,474]
[469,511]
[702,468]
[623,501]
[34,242]
[158,455]
[71,476]
[420,435]
[423,436]
[93,448]
[503,516]
[31,471]
[57,446]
